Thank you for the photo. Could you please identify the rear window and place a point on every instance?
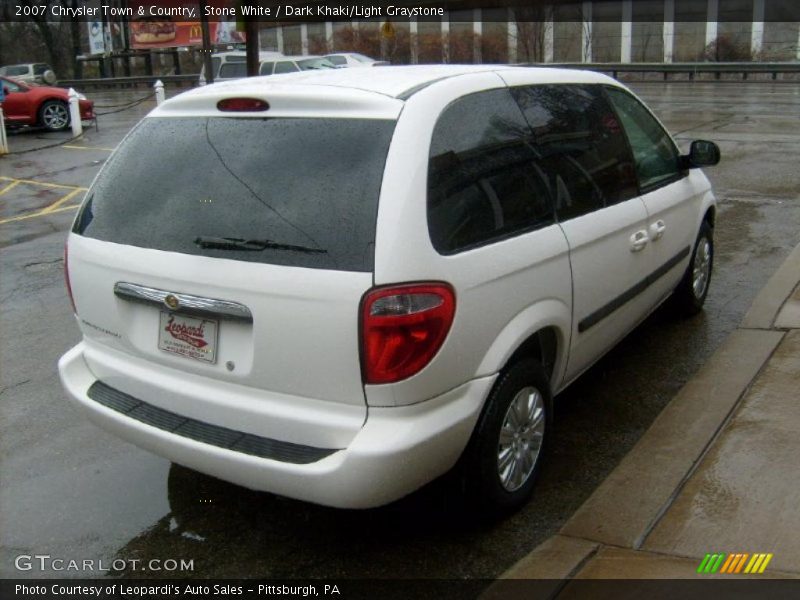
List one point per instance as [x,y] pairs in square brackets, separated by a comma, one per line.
[310,184]
[233,70]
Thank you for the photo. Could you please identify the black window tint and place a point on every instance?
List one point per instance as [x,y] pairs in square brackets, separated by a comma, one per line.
[233,70]
[482,184]
[285,67]
[579,145]
[40,69]
[266,68]
[305,182]
[656,157]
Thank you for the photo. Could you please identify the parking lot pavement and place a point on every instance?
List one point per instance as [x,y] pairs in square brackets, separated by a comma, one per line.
[716,475]
[46,173]
[69,489]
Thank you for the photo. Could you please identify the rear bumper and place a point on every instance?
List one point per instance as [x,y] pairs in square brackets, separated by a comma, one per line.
[397,450]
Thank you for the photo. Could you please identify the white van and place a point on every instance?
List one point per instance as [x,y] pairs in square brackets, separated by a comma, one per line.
[339,285]
[232,65]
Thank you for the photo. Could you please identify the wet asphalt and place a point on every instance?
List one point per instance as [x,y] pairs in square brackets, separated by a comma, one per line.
[70,490]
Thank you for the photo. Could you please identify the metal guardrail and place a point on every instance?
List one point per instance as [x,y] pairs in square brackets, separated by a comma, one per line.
[131,82]
[691,69]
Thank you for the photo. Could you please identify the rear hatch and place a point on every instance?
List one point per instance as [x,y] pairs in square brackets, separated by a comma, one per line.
[234,250]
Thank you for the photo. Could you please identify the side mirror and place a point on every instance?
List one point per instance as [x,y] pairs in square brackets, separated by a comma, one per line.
[702,154]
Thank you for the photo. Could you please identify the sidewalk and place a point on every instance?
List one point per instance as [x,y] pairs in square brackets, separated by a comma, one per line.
[717,472]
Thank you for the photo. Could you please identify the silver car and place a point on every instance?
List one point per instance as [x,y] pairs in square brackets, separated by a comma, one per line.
[39,73]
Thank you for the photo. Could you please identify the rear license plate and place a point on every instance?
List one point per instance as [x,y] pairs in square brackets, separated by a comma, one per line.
[188,336]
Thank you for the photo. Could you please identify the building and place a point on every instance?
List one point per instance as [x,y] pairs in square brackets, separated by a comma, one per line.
[591,31]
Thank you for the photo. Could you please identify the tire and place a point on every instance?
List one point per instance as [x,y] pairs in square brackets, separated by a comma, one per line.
[690,295]
[487,477]
[54,115]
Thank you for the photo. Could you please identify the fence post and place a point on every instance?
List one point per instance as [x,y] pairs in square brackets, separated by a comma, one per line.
[3,141]
[75,113]
[159,87]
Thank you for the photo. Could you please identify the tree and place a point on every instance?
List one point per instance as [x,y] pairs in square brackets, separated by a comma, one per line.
[53,37]
[534,24]
[725,49]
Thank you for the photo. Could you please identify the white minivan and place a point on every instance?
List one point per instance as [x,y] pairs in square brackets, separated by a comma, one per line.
[339,285]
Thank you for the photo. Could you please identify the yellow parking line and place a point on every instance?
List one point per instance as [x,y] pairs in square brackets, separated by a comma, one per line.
[87,148]
[39,213]
[61,201]
[43,183]
[10,186]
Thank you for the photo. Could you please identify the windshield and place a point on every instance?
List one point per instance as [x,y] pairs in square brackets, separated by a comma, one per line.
[304,191]
[315,63]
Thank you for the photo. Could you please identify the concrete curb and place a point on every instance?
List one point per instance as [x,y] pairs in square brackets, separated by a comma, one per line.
[770,299]
[629,503]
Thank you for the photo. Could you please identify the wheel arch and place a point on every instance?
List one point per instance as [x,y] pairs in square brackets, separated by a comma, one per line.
[710,216]
[540,331]
[44,100]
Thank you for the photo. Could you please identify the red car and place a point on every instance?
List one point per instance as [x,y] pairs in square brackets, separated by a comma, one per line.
[40,105]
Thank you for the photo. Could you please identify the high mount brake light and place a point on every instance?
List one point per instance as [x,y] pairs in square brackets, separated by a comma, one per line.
[402,329]
[242,105]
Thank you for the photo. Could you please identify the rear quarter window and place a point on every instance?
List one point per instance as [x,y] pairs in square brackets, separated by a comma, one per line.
[482,184]
[311,183]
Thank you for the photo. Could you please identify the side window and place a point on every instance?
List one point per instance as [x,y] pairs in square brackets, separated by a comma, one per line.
[579,146]
[285,67]
[337,59]
[482,185]
[656,157]
[266,68]
[233,70]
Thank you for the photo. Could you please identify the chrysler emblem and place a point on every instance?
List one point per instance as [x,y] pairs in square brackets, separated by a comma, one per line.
[172,302]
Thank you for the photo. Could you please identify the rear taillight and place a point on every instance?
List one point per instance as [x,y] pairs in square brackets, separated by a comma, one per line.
[402,329]
[66,278]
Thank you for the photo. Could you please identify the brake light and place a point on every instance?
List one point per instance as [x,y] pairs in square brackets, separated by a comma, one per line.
[242,105]
[402,329]
[66,277]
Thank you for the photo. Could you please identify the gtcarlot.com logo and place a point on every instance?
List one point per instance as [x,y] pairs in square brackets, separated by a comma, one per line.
[735,563]
[46,562]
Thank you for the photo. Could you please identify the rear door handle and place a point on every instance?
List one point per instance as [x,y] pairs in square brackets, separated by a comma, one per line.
[657,230]
[639,240]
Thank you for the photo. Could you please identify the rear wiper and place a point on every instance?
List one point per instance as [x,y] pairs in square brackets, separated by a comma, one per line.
[225,243]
